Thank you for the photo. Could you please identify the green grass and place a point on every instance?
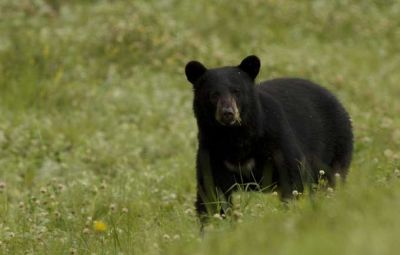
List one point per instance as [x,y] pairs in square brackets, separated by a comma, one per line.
[96,124]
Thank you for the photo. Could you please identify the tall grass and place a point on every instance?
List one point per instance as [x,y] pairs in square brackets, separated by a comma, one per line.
[97,135]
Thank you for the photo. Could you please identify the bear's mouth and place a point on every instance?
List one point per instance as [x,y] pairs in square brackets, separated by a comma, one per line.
[228,114]
[229,121]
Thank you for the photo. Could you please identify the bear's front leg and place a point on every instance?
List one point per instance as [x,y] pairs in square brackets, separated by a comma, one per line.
[206,195]
[218,202]
[214,187]
[290,164]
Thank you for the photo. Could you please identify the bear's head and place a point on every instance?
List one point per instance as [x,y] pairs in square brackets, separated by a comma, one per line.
[223,95]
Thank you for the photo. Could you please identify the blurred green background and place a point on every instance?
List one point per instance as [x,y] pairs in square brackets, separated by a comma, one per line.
[96,124]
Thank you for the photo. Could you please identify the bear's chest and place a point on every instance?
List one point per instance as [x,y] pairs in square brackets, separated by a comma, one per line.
[244,167]
[238,155]
[236,150]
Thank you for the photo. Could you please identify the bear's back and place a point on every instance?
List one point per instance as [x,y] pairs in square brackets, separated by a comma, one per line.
[315,115]
[295,89]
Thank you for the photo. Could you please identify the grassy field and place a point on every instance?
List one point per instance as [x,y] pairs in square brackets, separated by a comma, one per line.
[98,138]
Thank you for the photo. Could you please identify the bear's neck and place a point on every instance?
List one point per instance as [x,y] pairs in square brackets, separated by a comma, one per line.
[233,144]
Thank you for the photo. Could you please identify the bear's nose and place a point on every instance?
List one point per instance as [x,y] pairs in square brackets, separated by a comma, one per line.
[227,112]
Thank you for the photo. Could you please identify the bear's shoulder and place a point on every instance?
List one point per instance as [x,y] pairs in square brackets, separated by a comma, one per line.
[292,87]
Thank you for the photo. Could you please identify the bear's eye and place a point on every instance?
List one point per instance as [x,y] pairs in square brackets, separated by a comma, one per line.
[214,96]
[236,91]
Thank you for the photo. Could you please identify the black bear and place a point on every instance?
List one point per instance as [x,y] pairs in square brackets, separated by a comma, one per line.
[277,134]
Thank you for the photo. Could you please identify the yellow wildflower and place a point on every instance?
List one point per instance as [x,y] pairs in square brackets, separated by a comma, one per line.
[99,226]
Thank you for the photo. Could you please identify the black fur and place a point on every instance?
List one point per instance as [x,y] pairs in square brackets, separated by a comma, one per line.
[289,130]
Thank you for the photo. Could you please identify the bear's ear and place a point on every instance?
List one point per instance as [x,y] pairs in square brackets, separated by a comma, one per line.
[251,65]
[194,70]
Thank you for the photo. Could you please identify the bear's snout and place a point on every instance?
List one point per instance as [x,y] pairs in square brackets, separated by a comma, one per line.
[227,118]
[227,112]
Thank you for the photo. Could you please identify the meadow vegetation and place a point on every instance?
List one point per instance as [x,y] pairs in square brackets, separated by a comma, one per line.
[98,138]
